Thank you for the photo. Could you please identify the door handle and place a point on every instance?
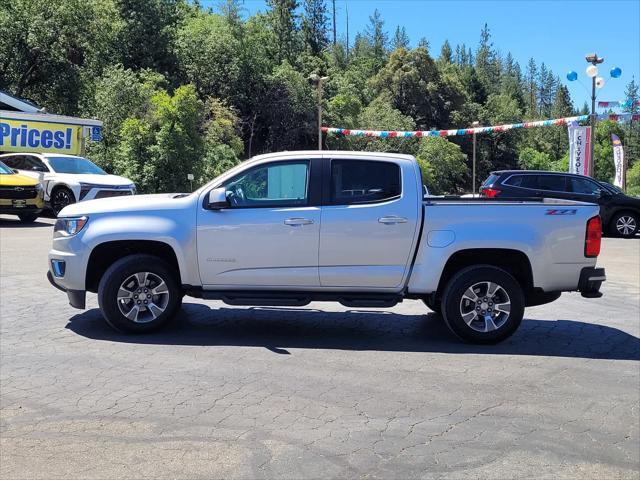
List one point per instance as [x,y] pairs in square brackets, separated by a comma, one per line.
[296,222]
[392,220]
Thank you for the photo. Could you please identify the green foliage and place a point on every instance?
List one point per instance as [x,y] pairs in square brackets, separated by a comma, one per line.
[443,165]
[183,89]
[633,180]
[48,48]
[208,52]
[531,159]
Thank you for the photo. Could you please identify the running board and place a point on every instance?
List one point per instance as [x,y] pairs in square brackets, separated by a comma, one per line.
[296,299]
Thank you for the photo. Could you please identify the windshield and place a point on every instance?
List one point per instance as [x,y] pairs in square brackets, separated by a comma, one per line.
[75,165]
[4,170]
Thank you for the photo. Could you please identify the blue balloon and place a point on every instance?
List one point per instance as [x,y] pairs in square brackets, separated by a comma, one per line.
[571,76]
[615,72]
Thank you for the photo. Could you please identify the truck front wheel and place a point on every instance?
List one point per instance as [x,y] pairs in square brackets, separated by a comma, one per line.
[139,294]
[483,304]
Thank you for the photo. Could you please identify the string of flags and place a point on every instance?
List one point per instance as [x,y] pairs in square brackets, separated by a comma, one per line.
[625,104]
[476,130]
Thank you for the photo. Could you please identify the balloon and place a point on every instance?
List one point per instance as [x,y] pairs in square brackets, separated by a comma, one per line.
[571,76]
[592,71]
[599,82]
[616,72]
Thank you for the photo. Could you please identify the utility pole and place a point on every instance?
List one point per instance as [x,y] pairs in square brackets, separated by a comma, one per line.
[334,22]
[317,80]
[346,9]
[473,175]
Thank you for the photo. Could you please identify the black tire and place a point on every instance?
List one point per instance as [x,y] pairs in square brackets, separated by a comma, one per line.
[434,306]
[60,198]
[624,224]
[454,302]
[122,270]
[28,217]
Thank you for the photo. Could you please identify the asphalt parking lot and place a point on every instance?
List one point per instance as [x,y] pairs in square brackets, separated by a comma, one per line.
[315,392]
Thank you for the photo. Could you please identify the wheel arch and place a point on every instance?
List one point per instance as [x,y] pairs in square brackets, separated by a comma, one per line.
[513,261]
[105,254]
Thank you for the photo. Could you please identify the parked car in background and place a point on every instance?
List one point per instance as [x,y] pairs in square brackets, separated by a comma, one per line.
[20,195]
[620,213]
[68,179]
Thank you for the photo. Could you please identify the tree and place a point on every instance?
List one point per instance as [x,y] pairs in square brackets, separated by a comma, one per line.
[445,52]
[120,94]
[531,159]
[633,180]
[400,38]
[531,88]
[146,37]
[487,61]
[416,88]
[208,54]
[284,22]
[443,165]
[160,149]
[377,37]
[50,49]
[315,25]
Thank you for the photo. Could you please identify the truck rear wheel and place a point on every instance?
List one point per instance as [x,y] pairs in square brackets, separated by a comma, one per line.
[139,294]
[483,304]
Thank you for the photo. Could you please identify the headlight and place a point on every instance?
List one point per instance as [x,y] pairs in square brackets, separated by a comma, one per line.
[66,227]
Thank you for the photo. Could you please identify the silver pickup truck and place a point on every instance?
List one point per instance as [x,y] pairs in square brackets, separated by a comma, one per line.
[350,227]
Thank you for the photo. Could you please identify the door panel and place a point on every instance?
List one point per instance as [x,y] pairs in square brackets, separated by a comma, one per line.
[367,244]
[269,235]
[257,247]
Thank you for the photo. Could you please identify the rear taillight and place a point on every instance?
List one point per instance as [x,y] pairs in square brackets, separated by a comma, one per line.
[593,237]
[490,192]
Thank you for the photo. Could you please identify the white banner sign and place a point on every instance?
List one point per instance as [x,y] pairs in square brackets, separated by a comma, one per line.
[579,150]
[618,161]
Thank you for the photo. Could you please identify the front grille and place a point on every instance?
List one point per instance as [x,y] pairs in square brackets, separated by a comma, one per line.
[109,193]
[18,193]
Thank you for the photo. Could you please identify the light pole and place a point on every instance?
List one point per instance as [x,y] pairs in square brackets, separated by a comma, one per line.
[592,71]
[596,83]
[473,175]
[318,80]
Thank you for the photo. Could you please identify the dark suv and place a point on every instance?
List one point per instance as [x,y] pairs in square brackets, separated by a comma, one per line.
[620,213]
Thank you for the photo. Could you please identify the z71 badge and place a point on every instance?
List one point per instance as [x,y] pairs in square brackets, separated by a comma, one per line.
[561,211]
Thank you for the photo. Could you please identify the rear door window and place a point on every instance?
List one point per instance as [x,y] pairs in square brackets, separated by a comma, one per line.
[361,181]
[34,164]
[552,183]
[522,181]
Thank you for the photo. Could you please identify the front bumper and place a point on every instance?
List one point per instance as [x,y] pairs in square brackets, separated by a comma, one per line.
[77,298]
[18,210]
[591,279]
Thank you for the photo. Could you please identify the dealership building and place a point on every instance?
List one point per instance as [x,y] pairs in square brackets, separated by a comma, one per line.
[25,127]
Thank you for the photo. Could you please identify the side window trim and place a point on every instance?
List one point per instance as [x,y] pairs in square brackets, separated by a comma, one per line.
[327,197]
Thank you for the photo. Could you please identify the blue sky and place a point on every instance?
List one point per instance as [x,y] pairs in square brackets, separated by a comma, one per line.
[555,32]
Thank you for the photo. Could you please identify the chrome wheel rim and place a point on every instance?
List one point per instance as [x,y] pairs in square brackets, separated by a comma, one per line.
[485,307]
[143,297]
[60,200]
[626,225]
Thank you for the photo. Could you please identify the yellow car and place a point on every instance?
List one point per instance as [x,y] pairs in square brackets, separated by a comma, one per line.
[20,195]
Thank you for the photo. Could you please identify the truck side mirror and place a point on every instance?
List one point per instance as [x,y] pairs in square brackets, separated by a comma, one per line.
[218,199]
